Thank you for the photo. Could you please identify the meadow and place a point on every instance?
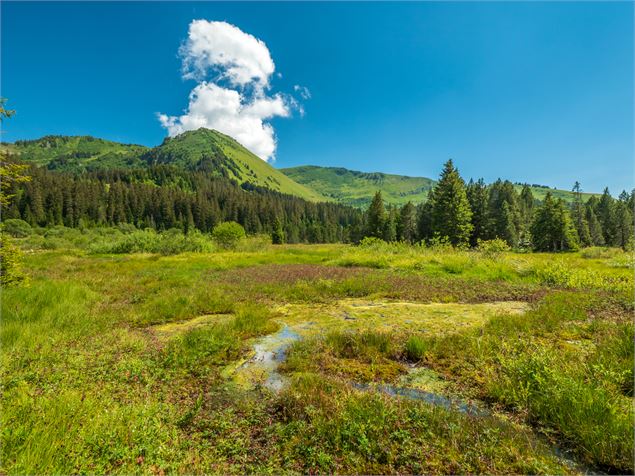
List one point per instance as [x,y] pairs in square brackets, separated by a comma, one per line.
[137,352]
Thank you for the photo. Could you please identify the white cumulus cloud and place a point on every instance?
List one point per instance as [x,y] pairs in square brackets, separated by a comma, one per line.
[232,69]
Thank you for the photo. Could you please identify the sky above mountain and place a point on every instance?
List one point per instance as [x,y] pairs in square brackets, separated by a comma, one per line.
[536,92]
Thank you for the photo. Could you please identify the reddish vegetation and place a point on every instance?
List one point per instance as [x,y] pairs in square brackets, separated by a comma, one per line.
[289,273]
[390,284]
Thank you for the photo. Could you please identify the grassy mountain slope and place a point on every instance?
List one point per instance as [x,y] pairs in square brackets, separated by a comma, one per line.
[357,188]
[202,148]
[212,150]
[217,152]
[77,153]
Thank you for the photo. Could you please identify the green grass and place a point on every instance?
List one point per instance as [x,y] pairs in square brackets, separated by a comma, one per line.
[116,362]
[357,188]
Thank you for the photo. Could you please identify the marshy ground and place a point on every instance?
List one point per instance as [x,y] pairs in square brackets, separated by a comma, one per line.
[298,359]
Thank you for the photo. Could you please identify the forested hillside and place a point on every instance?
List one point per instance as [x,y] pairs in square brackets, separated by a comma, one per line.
[163,197]
[203,149]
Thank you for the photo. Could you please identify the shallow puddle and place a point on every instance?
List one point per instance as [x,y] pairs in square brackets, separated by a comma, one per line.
[297,321]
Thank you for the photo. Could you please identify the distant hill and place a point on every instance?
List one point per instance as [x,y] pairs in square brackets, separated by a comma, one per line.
[203,149]
[357,188]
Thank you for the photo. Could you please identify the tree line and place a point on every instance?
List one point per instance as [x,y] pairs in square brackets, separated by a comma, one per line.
[465,214]
[163,197]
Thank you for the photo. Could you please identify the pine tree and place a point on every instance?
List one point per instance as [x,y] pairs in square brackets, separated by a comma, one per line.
[376,217]
[390,225]
[623,225]
[526,205]
[503,221]
[407,224]
[451,213]
[578,214]
[605,212]
[277,235]
[552,228]
[595,229]
[424,220]
[477,196]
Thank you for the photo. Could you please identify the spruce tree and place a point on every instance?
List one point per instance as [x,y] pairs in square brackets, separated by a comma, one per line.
[605,212]
[552,228]
[578,214]
[407,223]
[390,225]
[623,225]
[526,205]
[595,229]
[277,235]
[477,196]
[376,217]
[451,214]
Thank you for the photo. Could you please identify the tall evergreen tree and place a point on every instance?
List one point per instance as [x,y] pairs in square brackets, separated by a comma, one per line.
[552,228]
[376,217]
[503,221]
[595,229]
[526,205]
[578,214]
[623,225]
[390,225]
[451,214]
[407,223]
[477,196]
[605,211]
[424,220]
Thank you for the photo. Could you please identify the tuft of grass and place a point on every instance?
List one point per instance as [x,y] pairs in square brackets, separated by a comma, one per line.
[415,348]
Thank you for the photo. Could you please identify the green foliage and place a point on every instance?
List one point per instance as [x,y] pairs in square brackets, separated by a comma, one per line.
[415,348]
[228,235]
[376,218]
[492,248]
[149,241]
[552,229]
[277,235]
[17,228]
[407,223]
[451,214]
[11,272]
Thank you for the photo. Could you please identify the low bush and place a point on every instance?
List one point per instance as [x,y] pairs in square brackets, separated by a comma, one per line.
[228,235]
[17,228]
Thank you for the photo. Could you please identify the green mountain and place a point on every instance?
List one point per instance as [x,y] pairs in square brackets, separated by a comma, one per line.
[76,153]
[357,188]
[201,149]
[210,150]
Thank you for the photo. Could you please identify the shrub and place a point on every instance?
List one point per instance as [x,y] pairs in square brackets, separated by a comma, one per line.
[492,248]
[17,228]
[228,234]
[10,271]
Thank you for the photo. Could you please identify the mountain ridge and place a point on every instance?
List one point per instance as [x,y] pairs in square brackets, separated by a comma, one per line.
[214,151]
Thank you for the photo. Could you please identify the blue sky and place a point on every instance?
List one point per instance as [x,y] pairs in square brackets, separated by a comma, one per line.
[536,92]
